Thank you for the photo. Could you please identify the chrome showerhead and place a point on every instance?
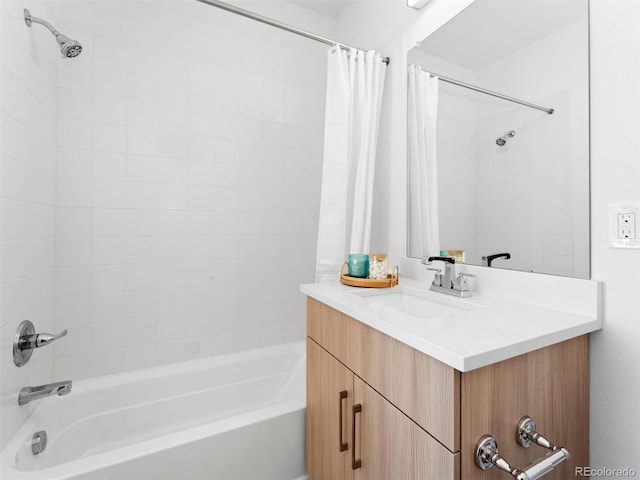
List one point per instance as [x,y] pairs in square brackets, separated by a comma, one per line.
[501,141]
[68,47]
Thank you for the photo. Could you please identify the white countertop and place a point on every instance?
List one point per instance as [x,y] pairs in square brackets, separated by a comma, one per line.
[480,331]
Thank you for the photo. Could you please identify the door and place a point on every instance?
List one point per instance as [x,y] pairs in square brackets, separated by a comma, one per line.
[329,409]
[390,446]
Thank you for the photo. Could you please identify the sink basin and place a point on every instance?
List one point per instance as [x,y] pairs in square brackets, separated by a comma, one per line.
[413,303]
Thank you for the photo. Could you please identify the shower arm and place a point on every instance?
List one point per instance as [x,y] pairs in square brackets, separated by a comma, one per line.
[28,19]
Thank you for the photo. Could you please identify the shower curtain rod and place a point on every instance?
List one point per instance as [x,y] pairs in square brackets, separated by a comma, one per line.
[493,94]
[275,23]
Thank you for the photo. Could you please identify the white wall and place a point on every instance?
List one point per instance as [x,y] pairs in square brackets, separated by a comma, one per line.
[189,160]
[615,177]
[27,198]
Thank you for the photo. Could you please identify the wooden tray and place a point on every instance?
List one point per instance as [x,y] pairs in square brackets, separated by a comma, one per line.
[390,281]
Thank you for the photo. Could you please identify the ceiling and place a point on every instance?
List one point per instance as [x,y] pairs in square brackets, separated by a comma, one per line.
[330,8]
[491,29]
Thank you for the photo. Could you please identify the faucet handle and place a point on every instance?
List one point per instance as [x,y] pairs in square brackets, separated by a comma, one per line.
[40,339]
[26,340]
[428,260]
[464,274]
[437,279]
[461,281]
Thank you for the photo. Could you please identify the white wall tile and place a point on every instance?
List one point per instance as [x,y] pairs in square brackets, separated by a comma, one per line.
[75,76]
[105,362]
[108,222]
[172,197]
[74,133]
[73,251]
[173,144]
[109,137]
[142,195]
[73,221]
[110,52]
[142,222]
[143,87]
[109,109]
[107,278]
[73,192]
[73,162]
[144,59]
[143,114]
[172,170]
[141,356]
[171,182]
[109,81]
[109,166]
[107,335]
[141,168]
[109,194]
[142,141]
[142,250]
[141,276]
[107,250]
[74,104]
[107,307]
[73,281]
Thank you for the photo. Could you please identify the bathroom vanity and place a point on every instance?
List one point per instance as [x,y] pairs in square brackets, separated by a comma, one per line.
[403,384]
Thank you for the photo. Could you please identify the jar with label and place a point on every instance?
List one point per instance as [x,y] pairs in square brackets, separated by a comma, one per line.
[378,266]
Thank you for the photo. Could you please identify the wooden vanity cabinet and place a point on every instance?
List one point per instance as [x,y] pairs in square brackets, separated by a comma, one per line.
[378,409]
[355,433]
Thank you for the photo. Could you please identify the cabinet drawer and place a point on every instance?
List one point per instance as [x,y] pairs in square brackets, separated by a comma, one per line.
[426,390]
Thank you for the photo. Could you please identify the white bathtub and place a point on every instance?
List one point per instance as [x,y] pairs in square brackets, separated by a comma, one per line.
[237,416]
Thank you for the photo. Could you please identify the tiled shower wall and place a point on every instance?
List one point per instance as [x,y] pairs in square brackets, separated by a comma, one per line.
[27,147]
[189,160]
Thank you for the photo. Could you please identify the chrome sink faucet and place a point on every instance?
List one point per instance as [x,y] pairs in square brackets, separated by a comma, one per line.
[28,394]
[448,282]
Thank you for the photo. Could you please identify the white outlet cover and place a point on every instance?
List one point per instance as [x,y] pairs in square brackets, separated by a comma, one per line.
[616,209]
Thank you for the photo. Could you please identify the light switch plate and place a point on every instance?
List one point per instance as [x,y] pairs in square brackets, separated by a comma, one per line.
[624,221]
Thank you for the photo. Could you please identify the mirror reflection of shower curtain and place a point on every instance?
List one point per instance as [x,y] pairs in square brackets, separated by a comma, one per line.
[422,214]
[354,98]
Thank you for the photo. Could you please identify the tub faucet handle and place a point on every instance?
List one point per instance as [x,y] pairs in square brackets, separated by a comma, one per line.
[38,340]
[26,340]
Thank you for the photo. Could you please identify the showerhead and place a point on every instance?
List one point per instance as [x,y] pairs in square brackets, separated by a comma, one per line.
[68,47]
[501,141]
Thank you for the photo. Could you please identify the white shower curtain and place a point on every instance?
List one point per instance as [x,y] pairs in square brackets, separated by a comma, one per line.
[354,97]
[422,215]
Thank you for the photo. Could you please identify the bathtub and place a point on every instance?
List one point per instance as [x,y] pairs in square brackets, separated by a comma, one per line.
[236,416]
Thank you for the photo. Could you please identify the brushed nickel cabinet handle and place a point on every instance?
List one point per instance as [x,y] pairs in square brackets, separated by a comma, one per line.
[342,445]
[355,463]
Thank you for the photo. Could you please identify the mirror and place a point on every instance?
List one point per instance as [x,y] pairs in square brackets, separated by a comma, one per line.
[487,175]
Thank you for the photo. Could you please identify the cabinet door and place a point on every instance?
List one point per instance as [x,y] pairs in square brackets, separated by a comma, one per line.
[329,402]
[389,446]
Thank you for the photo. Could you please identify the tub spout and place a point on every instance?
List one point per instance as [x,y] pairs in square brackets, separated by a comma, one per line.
[28,394]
